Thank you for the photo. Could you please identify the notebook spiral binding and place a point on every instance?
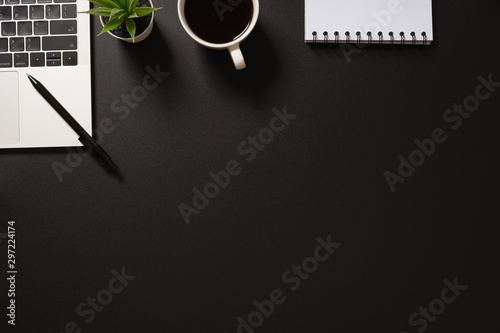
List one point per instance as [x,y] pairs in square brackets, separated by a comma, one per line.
[392,40]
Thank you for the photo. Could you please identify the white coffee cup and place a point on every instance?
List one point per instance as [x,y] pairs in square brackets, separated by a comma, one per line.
[233,46]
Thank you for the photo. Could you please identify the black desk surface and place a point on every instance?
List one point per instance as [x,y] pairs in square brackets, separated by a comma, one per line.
[321,176]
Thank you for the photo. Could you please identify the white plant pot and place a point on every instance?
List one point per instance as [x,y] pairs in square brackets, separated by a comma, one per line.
[138,38]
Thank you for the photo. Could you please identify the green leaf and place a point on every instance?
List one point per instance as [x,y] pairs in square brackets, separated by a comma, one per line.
[105,3]
[115,11]
[133,14]
[99,11]
[133,4]
[130,24]
[123,16]
[143,11]
[122,3]
[112,23]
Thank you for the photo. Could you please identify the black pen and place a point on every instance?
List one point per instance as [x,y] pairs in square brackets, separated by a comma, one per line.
[84,138]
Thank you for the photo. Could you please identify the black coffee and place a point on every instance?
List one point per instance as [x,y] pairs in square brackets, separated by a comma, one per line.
[218,21]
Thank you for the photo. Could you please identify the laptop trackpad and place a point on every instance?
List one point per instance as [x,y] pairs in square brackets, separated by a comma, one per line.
[9,107]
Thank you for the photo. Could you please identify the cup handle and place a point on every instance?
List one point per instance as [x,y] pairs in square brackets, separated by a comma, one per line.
[239,61]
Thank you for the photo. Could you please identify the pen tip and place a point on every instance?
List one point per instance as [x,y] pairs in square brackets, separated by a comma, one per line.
[31,78]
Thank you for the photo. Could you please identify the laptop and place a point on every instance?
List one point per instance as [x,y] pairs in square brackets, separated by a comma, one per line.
[50,41]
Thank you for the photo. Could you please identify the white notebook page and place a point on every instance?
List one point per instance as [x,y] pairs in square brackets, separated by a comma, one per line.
[365,16]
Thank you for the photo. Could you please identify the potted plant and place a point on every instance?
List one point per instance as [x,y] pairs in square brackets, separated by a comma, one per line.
[127,20]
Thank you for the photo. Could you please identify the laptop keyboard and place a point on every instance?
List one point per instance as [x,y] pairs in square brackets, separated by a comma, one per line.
[38,33]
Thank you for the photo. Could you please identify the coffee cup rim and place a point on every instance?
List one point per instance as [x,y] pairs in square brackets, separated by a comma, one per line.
[185,25]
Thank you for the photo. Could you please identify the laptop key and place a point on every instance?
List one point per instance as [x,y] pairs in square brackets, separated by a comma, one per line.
[16,44]
[53,62]
[70,58]
[32,43]
[55,43]
[28,1]
[11,2]
[36,12]
[4,45]
[24,28]
[52,11]
[8,28]
[37,59]
[63,1]
[5,13]
[41,27]
[20,12]
[53,55]
[53,58]
[44,1]
[68,11]
[63,27]
[5,60]
[21,60]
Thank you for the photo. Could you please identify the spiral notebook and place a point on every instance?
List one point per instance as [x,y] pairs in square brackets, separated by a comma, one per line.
[368,21]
